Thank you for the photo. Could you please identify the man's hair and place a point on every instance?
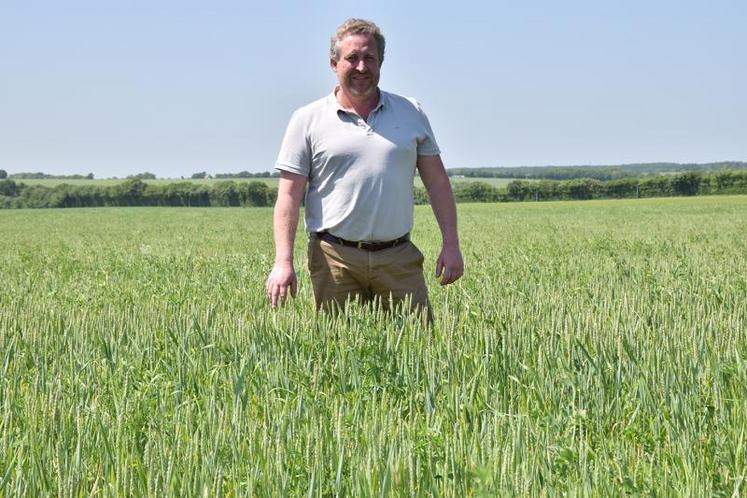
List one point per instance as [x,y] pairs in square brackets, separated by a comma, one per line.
[356,27]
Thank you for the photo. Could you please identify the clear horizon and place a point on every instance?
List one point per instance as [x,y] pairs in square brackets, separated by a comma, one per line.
[175,88]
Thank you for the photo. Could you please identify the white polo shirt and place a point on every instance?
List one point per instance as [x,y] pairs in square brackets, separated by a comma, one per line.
[360,174]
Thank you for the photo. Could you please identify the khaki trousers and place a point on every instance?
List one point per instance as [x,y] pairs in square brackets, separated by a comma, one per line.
[390,278]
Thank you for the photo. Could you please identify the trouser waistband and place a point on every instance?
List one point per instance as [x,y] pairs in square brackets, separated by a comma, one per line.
[366,246]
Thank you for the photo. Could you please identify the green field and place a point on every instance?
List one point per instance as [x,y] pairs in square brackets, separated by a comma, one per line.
[592,348]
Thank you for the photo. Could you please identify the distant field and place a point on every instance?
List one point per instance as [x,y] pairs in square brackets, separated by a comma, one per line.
[592,348]
[496,182]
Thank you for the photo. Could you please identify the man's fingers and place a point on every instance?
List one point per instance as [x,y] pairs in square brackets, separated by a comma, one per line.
[279,285]
[456,275]
[273,295]
[450,274]
[439,267]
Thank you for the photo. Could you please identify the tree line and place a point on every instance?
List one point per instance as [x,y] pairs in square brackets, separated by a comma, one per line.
[43,176]
[247,174]
[135,192]
[682,184]
[596,172]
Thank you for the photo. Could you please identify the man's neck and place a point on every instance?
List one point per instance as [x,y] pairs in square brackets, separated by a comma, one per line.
[361,105]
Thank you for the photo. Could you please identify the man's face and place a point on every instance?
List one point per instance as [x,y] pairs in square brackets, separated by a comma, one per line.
[358,65]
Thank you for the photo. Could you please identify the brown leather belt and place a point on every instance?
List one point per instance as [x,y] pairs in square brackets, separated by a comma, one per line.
[366,246]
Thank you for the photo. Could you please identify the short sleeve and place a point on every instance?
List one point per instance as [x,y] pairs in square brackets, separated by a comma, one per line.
[295,152]
[427,145]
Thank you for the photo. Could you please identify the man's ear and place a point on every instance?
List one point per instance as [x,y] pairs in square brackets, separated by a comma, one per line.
[333,64]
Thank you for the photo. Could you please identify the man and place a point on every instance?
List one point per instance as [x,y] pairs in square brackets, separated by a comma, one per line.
[358,150]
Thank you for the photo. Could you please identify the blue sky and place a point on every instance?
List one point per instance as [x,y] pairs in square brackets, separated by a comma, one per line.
[116,88]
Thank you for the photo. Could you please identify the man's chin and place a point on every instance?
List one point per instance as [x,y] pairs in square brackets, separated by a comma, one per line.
[362,92]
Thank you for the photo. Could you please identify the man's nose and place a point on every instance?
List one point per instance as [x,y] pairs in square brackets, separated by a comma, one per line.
[361,66]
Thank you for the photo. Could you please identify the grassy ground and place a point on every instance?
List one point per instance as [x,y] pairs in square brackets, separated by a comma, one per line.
[592,348]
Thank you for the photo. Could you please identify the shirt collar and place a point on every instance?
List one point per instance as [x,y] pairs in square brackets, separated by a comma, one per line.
[383,97]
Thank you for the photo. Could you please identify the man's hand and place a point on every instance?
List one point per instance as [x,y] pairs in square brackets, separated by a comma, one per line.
[281,281]
[449,265]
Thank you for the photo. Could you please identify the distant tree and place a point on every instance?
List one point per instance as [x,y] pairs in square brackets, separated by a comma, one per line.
[655,186]
[89,176]
[475,192]
[517,190]
[199,196]
[621,188]
[255,194]
[3,174]
[127,193]
[176,193]
[686,183]
[420,195]
[28,176]
[142,176]
[8,187]
[199,176]
[729,181]
[225,194]
[582,188]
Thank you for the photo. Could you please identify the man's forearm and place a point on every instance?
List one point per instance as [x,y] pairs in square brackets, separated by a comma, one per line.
[444,209]
[285,223]
[436,181]
[285,217]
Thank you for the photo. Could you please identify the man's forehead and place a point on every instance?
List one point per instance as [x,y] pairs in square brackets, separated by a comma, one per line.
[358,42]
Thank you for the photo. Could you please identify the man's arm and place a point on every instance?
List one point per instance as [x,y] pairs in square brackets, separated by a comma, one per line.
[282,278]
[450,265]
